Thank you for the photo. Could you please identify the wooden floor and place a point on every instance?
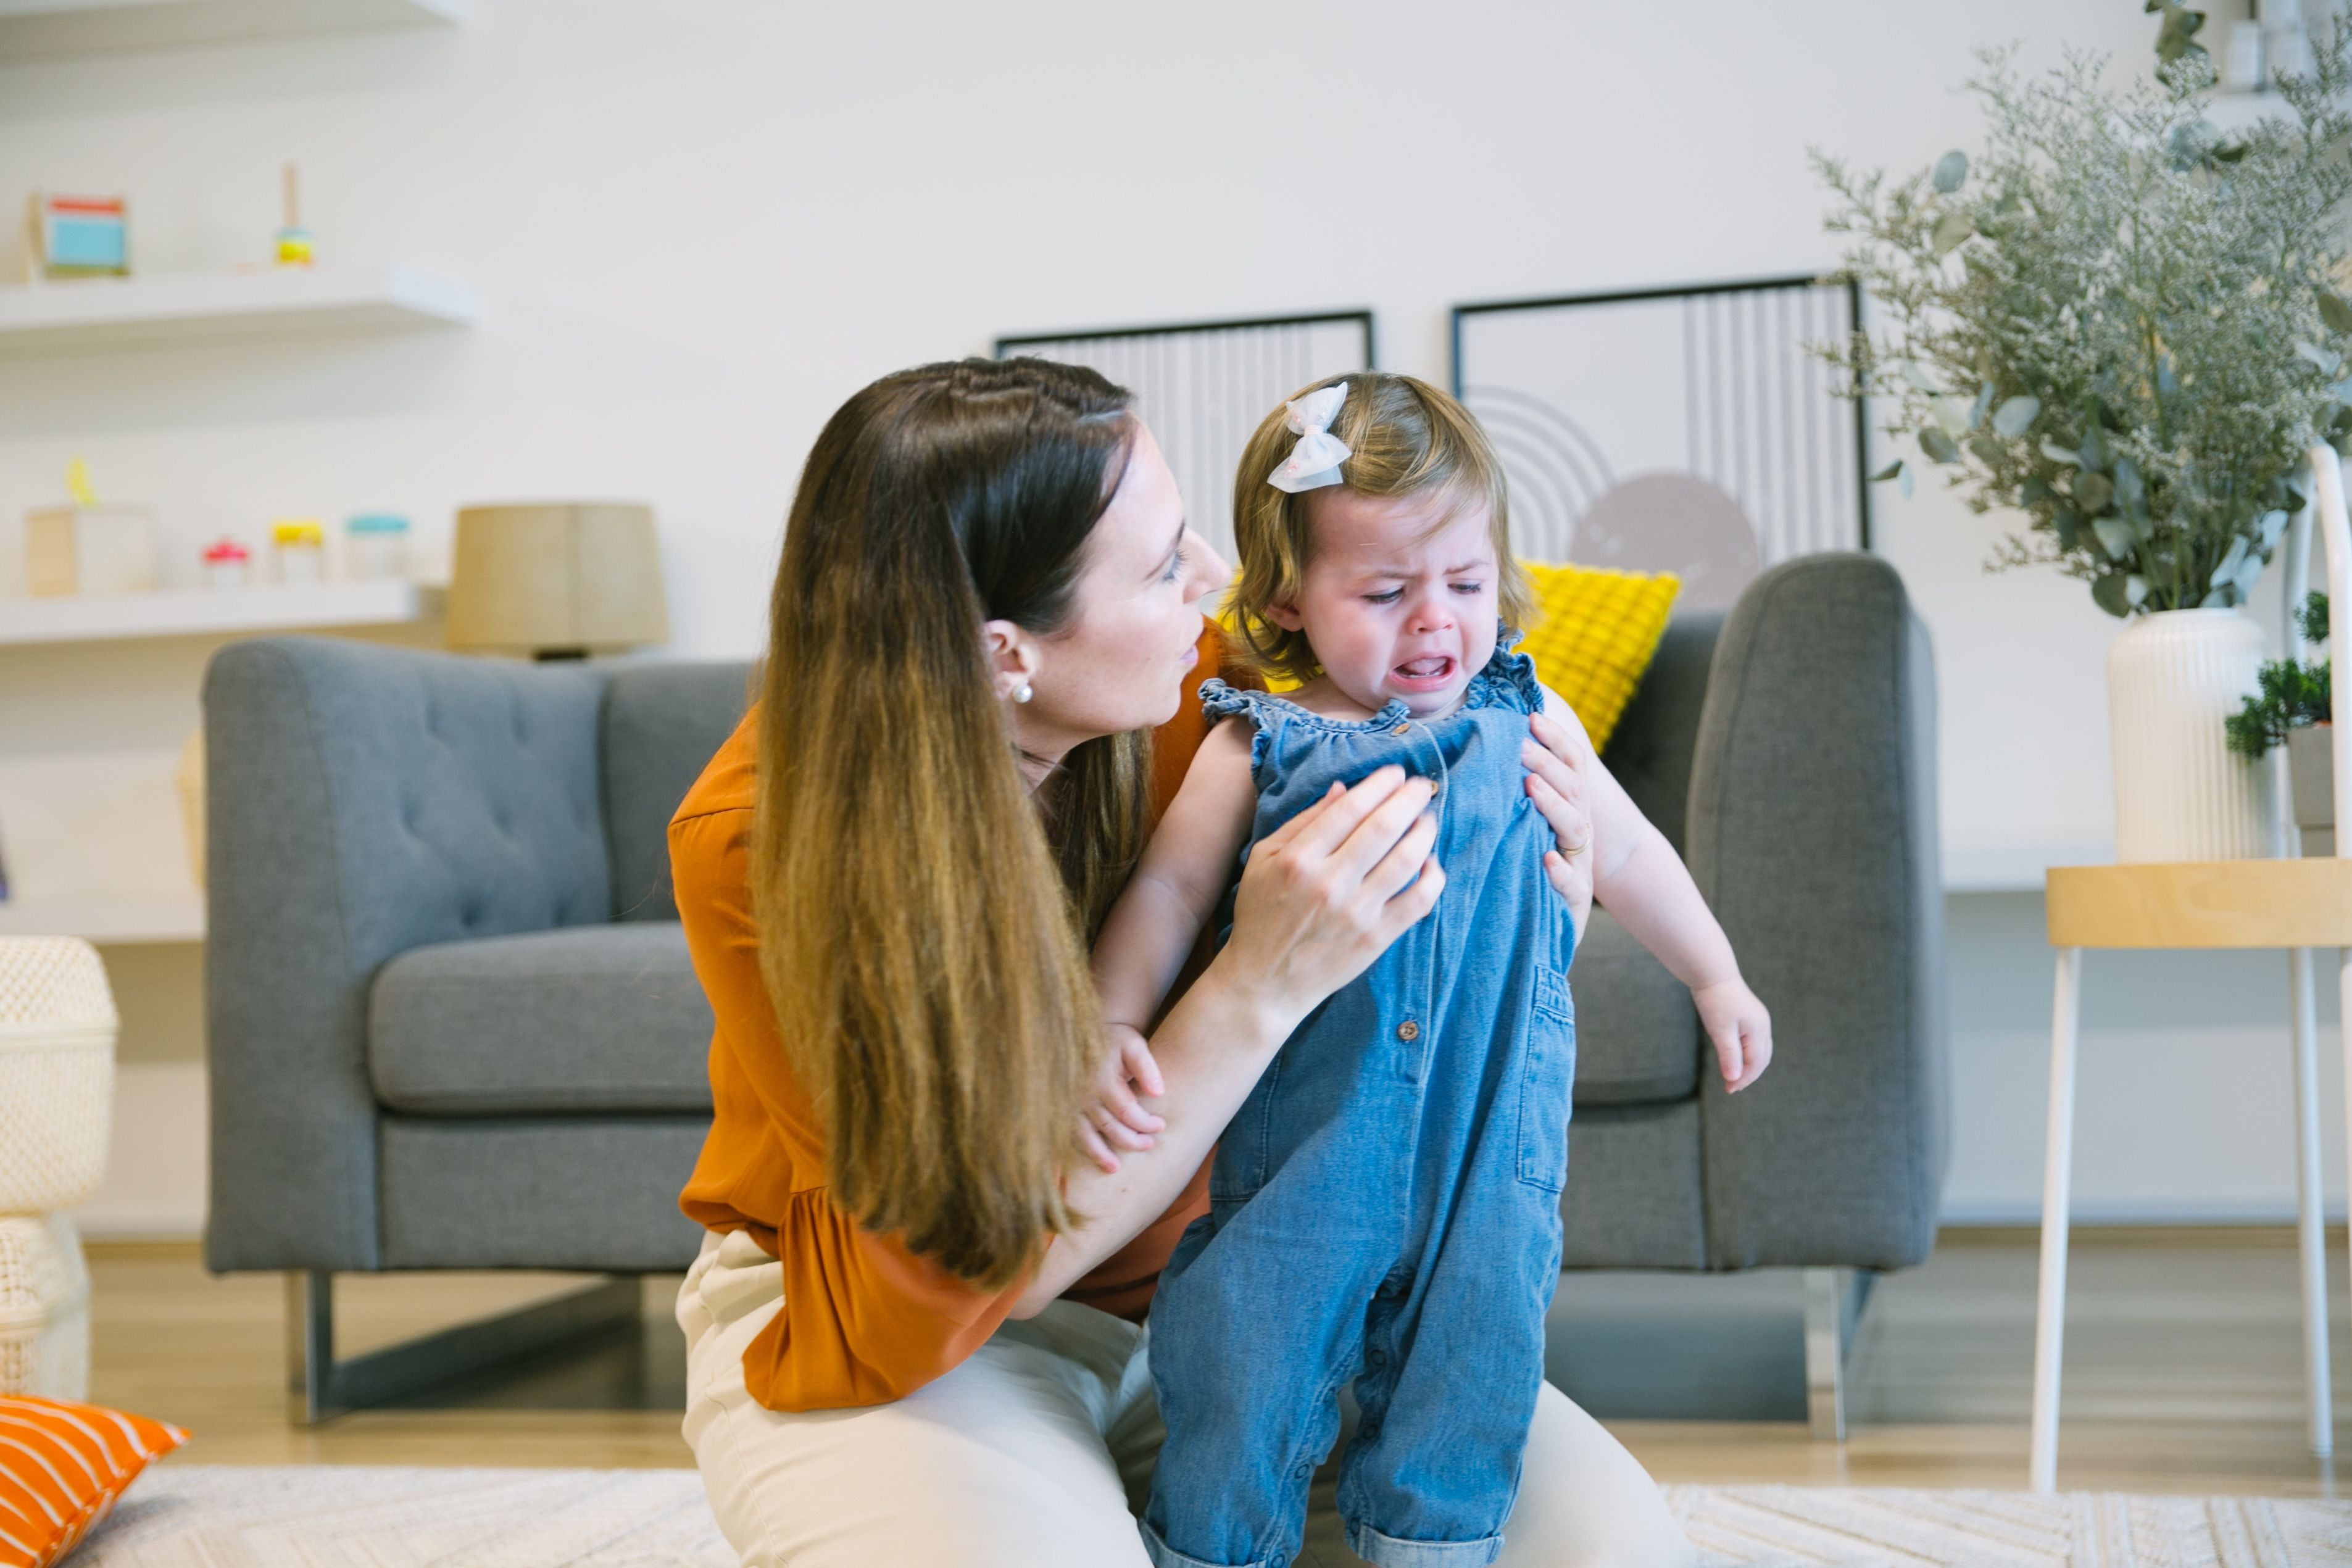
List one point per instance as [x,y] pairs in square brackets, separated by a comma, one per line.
[2184,1373]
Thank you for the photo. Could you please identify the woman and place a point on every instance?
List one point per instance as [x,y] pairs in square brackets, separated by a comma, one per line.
[914,1333]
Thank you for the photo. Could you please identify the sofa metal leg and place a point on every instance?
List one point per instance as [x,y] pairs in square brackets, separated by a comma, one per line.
[1834,1298]
[324,1387]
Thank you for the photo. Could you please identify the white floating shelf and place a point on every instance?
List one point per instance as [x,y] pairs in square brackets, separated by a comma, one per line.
[86,312]
[39,30]
[211,612]
[159,919]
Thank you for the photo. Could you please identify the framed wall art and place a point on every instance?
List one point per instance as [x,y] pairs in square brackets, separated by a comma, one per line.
[1687,429]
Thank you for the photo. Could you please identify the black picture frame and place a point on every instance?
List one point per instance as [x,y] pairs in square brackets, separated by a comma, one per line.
[1735,307]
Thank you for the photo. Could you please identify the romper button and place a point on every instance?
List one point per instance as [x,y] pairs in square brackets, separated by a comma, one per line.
[1408,1031]
[1402,729]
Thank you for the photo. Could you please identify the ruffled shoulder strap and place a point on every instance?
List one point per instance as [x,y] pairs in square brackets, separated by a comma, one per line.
[1508,680]
[1219,700]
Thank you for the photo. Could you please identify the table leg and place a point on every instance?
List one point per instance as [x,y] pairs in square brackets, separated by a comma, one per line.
[2057,1184]
[2311,1233]
[2344,1035]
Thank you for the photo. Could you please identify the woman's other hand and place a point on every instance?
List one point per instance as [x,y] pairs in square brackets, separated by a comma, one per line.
[1116,1119]
[1324,894]
[1555,756]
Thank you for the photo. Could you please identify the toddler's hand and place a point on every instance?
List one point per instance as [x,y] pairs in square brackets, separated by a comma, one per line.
[1117,1117]
[1739,1026]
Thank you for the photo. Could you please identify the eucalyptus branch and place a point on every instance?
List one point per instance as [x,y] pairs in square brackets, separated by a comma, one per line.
[2115,320]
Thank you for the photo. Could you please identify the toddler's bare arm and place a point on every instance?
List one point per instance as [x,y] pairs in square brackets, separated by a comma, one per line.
[1150,930]
[1183,873]
[1639,879]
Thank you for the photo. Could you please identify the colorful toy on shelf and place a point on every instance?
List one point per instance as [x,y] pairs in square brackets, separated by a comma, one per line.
[293,239]
[375,544]
[227,563]
[86,547]
[299,545]
[75,237]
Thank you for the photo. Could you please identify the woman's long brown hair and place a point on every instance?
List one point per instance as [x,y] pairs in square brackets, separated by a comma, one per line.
[924,948]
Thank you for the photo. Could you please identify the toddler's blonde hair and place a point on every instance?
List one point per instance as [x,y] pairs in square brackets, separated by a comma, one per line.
[1405,437]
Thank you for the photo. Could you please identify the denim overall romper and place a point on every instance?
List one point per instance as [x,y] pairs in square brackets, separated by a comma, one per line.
[1385,1205]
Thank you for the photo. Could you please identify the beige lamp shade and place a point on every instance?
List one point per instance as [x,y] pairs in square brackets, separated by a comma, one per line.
[561,577]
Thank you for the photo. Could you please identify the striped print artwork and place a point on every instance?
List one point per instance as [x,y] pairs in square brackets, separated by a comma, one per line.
[1590,397]
[62,1467]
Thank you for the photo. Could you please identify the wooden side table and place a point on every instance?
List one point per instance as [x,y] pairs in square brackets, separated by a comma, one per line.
[2297,904]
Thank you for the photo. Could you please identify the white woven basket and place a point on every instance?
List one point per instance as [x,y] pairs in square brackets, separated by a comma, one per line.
[56,1072]
[43,1309]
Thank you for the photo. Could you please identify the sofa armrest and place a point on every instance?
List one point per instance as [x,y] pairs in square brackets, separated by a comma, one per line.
[362,800]
[1812,834]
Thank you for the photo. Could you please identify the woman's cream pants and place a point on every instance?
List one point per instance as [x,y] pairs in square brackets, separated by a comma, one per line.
[1037,1452]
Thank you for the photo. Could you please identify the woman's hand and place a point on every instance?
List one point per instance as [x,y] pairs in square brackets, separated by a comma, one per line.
[1555,757]
[1322,897]
[1324,894]
[1117,1119]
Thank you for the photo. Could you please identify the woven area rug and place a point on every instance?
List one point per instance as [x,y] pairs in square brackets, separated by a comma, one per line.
[330,1516]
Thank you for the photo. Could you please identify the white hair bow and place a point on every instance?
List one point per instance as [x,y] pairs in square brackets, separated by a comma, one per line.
[1314,461]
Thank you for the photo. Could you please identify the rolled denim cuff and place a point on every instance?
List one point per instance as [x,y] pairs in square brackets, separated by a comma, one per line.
[1163,1556]
[1387,1552]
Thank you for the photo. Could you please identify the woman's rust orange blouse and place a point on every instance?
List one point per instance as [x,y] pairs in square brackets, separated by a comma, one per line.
[864,1321]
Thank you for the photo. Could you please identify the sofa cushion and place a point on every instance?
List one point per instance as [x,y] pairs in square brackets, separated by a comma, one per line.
[1633,1198]
[1637,1035]
[574,1193]
[610,1017]
[1594,633]
[593,1018]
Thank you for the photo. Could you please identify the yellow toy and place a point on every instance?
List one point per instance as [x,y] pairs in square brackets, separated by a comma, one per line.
[293,240]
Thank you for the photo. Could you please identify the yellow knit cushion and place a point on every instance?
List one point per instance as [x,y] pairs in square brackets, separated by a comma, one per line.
[1594,634]
[1229,621]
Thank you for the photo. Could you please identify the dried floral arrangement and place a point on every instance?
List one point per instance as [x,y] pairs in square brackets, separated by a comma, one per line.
[2115,320]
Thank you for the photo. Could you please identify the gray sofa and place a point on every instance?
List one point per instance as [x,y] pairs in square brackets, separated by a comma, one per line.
[452,1024]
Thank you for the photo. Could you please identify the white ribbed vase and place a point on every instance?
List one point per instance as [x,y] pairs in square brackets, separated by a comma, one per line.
[2182,794]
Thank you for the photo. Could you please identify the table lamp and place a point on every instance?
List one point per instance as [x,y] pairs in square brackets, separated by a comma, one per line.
[557,581]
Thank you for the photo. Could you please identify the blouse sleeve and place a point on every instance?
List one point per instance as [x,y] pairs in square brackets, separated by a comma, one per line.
[864,1320]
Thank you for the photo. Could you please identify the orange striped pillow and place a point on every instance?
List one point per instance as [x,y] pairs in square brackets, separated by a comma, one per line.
[61,1468]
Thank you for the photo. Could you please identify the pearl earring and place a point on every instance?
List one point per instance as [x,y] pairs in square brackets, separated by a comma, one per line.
[1024,694]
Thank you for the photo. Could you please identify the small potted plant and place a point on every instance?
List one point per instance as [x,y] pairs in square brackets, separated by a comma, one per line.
[2293,708]
[2130,331]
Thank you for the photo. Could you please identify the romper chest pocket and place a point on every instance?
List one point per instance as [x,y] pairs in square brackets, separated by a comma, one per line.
[1546,1077]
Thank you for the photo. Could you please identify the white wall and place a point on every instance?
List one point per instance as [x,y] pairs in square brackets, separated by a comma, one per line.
[698,225]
